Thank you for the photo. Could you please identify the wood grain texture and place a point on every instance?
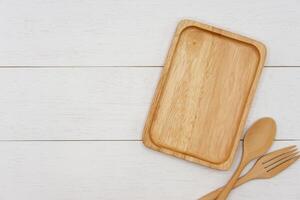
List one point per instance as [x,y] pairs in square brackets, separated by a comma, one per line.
[112,103]
[110,170]
[208,74]
[135,33]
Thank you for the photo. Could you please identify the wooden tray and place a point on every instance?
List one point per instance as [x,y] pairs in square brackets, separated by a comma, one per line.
[204,93]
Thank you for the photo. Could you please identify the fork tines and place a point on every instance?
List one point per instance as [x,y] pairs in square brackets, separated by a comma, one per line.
[280,159]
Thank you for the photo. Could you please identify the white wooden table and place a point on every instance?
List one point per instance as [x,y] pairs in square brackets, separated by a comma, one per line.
[76,81]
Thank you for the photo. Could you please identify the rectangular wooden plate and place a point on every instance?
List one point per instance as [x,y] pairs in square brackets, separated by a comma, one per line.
[202,100]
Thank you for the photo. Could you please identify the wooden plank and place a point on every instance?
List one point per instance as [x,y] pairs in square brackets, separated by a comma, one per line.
[127,170]
[112,103]
[118,33]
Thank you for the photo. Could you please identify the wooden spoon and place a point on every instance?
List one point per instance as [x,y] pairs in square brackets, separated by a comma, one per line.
[258,139]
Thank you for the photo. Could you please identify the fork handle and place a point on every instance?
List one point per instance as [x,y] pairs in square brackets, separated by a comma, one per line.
[228,187]
[214,194]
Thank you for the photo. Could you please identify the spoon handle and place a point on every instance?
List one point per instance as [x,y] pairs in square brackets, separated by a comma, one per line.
[214,194]
[228,187]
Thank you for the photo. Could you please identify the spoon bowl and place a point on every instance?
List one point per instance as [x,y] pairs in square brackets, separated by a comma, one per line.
[259,138]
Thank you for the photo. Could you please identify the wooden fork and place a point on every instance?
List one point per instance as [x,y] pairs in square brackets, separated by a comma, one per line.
[267,166]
